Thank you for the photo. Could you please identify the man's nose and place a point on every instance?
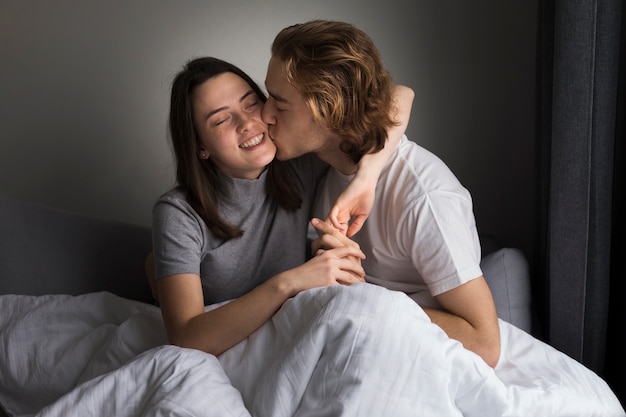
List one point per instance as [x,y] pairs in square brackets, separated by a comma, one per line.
[267,113]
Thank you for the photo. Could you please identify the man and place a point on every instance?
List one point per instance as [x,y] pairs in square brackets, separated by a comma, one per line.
[329,94]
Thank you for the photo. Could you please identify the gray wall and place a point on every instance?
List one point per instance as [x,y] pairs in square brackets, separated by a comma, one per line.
[84,92]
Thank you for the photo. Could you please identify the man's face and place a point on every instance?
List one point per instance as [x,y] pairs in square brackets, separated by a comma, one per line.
[290,121]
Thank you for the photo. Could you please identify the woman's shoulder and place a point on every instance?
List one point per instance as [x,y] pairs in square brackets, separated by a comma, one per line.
[174,196]
[175,200]
[172,212]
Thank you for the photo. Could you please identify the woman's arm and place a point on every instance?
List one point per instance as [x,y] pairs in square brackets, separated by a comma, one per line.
[188,325]
[355,203]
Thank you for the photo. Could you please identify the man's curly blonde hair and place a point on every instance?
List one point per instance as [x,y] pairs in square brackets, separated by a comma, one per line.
[339,71]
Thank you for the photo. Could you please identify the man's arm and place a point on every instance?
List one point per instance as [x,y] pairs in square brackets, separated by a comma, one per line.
[470,317]
[356,201]
[469,314]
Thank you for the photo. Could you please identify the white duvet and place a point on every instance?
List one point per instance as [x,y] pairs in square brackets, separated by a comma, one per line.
[335,351]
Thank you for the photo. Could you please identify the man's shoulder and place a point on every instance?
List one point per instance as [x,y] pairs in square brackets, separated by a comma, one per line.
[415,154]
[414,171]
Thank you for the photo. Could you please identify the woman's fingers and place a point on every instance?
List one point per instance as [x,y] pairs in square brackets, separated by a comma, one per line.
[348,263]
[325,241]
[346,251]
[330,236]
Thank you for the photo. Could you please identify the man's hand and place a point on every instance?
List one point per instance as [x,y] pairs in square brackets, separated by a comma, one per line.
[352,207]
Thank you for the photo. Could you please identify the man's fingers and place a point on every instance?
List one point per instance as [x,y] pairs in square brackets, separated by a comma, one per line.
[356,225]
[334,219]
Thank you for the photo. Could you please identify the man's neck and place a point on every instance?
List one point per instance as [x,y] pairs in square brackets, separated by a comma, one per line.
[338,160]
[330,153]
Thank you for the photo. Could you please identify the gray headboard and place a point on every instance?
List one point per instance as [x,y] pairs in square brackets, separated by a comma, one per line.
[49,251]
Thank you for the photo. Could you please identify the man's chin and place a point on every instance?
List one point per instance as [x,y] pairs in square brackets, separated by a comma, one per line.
[281,156]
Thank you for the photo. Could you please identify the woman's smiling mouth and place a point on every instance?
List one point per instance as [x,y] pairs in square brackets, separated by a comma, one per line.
[252,142]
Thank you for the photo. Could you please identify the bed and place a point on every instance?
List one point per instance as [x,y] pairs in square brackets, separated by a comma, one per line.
[80,336]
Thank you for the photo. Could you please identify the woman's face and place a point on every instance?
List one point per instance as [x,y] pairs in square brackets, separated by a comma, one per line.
[227,118]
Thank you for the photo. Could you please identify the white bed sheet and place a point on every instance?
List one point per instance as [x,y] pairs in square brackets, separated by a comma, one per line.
[335,351]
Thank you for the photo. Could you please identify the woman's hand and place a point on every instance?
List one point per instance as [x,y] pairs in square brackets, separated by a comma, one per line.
[340,265]
[330,237]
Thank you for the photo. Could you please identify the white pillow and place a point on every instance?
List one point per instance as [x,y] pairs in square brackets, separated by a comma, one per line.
[507,274]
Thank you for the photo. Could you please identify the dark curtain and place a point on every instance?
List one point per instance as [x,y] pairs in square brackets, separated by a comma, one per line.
[581,239]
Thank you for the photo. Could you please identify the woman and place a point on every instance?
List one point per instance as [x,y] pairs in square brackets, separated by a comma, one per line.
[235,226]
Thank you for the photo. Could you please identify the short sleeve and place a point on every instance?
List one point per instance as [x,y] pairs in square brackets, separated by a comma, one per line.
[439,232]
[177,237]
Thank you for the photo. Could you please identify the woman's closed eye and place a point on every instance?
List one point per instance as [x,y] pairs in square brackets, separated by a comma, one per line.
[221,120]
[252,104]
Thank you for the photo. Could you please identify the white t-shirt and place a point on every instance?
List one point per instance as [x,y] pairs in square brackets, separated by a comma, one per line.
[420,237]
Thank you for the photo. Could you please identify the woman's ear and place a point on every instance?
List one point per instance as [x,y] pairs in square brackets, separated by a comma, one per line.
[203,154]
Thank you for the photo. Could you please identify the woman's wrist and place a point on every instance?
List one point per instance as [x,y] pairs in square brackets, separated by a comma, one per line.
[282,286]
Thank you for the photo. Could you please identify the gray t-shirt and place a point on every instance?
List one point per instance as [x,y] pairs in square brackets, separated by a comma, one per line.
[273,241]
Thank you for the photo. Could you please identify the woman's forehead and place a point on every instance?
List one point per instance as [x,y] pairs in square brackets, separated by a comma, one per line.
[222,89]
